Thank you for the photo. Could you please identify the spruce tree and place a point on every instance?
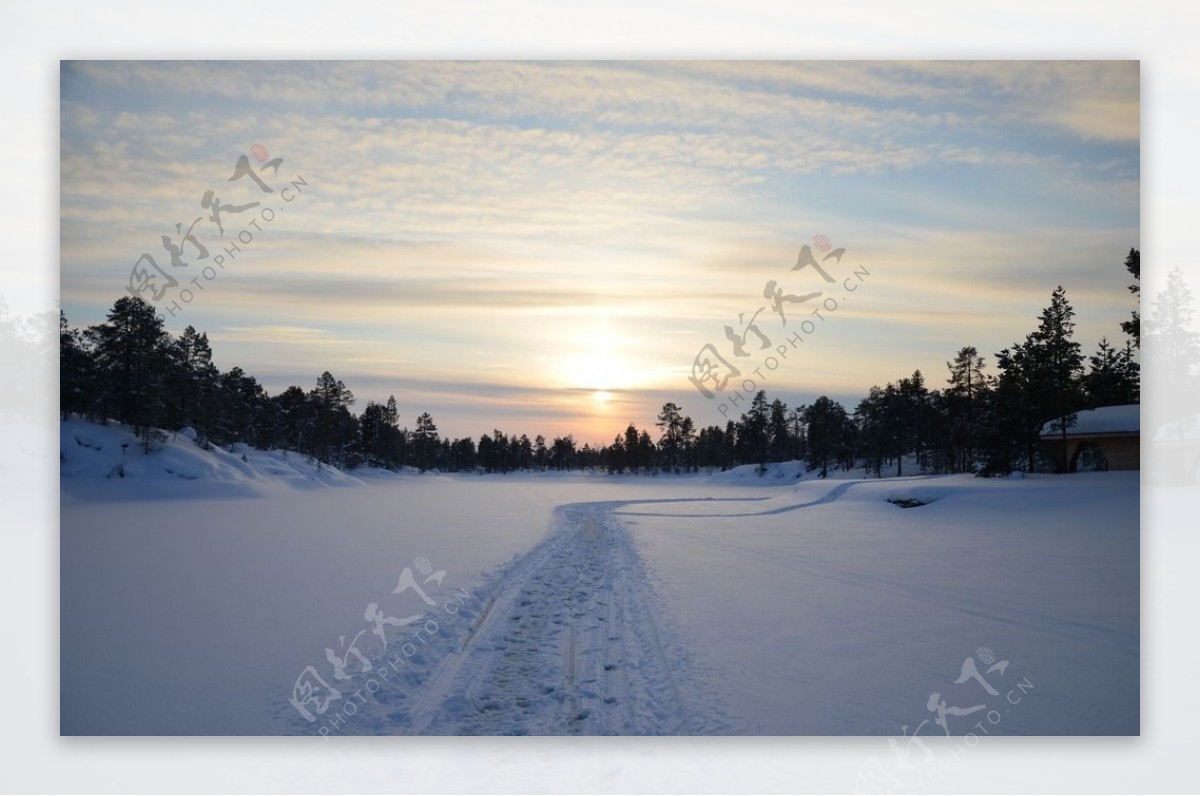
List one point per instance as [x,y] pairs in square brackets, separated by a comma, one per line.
[1057,369]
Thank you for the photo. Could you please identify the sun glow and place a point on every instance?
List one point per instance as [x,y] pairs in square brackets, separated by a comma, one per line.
[595,360]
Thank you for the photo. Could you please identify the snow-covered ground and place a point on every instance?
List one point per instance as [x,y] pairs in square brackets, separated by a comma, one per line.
[237,600]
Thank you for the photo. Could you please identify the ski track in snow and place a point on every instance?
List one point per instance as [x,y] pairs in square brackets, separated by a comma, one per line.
[567,645]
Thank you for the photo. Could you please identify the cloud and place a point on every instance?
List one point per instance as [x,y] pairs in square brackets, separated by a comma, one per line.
[466,227]
[1107,120]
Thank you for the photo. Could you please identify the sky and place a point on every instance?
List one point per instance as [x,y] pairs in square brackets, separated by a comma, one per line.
[556,247]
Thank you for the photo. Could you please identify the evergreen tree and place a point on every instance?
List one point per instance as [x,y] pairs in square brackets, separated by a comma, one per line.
[238,410]
[1013,415]
[827,424]
[778,430]
[76,377]
[486,454]
[462,455]
[425,443]
[754,436]
[710,448]
[961,405]
[796,427]
[871,418]
[379,434]
[914,418]
[131,357]
[524,449]
[687,433]
[562,453]
[1133,326]
[334,429]
[646,452]
[898,432]
[190,385]
[295,413]
[670,444]
[632,448]
[1057,369]
[1112,378]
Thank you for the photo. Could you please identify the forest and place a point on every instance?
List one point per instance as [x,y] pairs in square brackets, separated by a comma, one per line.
[985,418]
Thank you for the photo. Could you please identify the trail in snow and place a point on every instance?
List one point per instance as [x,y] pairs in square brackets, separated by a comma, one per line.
[829,497]
[569,644]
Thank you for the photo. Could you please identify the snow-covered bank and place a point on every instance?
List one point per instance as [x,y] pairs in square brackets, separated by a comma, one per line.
[107,462]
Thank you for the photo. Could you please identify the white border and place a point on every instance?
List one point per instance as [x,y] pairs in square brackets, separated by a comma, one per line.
[33,38]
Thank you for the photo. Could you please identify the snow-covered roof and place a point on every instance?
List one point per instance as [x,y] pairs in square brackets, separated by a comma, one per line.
[1105,420]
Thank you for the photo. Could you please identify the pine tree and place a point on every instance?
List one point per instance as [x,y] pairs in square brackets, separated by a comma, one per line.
[914,417]
[487,457]
[870,416]
[524,448]
[295,418]
[191,385]
[670,444]
[632,448]
[1012,417]
[240,410]
[962,403]
[562,452]
[131,356]
[687,434]
[778,430]
[378,433]
[827,425]
[754,431]
[76,377]
[334,428]
[425,442]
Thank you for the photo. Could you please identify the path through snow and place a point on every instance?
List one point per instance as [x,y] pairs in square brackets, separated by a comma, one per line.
[569,644]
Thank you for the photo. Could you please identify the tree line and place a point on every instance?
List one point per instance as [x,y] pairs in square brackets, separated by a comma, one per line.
[130,369]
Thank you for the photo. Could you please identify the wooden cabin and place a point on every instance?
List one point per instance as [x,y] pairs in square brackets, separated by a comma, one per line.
[1108,438]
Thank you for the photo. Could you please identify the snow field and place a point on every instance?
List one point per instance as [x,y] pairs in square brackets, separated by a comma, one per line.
[574,604]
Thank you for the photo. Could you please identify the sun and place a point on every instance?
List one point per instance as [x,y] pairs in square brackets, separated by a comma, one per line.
[594,360]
